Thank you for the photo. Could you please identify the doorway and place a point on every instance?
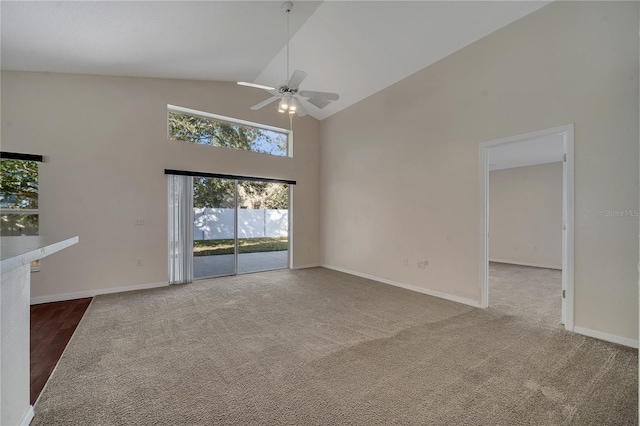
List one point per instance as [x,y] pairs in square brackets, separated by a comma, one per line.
[239,226]
[563,134]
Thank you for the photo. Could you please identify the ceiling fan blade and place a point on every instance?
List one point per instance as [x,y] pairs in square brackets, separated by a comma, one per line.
[257,86]
[296,78]
[320,103]
[301,111]
[265,103]
[320,95]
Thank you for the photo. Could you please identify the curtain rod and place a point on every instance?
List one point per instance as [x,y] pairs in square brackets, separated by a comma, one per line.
[18,156]
[223,176]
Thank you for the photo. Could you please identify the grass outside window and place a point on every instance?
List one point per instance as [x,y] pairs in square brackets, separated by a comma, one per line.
[245,245]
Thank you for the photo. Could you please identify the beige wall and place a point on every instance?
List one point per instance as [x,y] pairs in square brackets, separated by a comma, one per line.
[105,144]
[525,215]
[400,172]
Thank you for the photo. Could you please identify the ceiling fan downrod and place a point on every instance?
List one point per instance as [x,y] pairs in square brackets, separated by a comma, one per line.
[287,6]
[289,91]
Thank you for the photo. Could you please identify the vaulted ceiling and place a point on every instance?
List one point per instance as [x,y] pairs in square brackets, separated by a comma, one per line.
[355,48]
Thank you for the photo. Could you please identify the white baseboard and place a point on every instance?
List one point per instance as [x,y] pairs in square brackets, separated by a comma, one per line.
[607,337]
[92,293]
[463,300]
[535,265]
[309,265]
[27,417]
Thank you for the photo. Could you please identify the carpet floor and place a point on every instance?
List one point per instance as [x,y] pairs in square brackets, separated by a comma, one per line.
[316,346]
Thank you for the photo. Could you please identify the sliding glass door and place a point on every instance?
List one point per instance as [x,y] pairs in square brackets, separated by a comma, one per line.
[263,226]
[239,226]
[214,227]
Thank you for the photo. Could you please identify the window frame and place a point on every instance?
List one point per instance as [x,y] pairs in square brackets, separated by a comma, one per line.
[208,115]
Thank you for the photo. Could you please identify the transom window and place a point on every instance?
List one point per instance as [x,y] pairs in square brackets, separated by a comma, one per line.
[203,128]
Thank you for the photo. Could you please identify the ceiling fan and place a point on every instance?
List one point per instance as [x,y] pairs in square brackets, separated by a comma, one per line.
[289,92]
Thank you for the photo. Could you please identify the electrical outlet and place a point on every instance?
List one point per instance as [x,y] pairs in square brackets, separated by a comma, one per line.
[138,221]
[139,262]
[406,261]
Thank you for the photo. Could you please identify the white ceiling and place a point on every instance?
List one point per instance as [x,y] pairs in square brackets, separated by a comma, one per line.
[201,40]
[358,48]
[355,48]
[548,149]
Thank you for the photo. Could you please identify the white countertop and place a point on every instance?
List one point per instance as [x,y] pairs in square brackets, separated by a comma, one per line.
[18,251]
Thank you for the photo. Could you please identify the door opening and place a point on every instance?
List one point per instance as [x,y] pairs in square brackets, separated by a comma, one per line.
[214,227]
[239,226]
[563,135]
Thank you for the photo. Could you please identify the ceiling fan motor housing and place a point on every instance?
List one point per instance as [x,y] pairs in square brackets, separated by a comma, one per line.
[287,6]
[283,90]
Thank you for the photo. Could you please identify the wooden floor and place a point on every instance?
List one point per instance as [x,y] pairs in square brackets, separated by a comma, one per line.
[52,325]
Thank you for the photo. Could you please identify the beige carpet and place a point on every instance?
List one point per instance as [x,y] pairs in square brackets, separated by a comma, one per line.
[320,347]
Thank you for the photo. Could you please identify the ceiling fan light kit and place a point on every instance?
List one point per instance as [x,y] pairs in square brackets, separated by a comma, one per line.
[288,93]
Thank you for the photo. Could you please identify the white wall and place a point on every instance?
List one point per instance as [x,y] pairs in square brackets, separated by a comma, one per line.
[105,145]
[525,215]
[410,154]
